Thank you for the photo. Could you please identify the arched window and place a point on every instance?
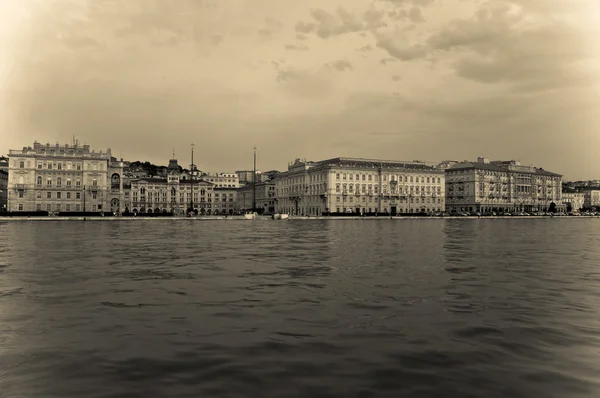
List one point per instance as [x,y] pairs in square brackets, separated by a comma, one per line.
[49,181]
[39,180]
[94,182]
[78,182]
[68,182]
[59,181]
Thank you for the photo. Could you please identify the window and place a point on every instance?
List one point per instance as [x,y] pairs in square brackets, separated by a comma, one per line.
[77,207]
[49,166]
[59,181]
[78,167]
[78,182]
[58,207]
[39,180]
[59,166]
[68,195]
[48,207]
[95,182]
[39,166]
[48,195]
[39,195]
[21,194]
[20,206]
[49,181]
[77,195]
[94,196]
[68,182]
[38,207]
[21,164]
[68,207]
[58,195]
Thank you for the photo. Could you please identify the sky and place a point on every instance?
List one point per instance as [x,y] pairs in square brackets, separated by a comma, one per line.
[388,79]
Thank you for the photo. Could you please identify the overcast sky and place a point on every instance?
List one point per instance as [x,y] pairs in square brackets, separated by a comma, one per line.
[389,79]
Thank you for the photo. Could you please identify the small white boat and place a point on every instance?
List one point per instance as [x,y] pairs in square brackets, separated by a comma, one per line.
[250,216]
[278,216]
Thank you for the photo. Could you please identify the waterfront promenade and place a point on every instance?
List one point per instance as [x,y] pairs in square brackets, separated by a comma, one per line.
[269,218]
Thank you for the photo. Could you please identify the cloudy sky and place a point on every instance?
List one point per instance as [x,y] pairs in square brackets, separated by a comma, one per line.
[389,79]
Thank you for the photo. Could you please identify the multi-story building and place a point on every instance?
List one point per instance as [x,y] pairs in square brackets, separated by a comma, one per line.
[63,178]
[264,197]
[225,201]
[503,186]
[591,198]
[360,186]
[178,194]
[222,180]
[3,190]
[573,200]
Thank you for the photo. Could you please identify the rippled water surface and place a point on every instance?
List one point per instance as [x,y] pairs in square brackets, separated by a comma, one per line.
[368,308]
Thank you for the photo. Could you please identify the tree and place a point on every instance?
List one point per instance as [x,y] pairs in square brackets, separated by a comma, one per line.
[552,208]
[569,208]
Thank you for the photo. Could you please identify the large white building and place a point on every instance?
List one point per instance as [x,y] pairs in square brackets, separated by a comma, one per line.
[502,186]
[62,178]
[360,186]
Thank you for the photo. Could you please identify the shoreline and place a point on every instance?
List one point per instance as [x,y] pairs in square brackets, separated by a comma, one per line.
[269,218]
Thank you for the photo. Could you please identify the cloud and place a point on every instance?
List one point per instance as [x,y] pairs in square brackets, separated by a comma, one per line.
[415,15]
[294,47]
[300,36]
[272,27]
[498,45]
[327,24]
[341,65]
[397,46]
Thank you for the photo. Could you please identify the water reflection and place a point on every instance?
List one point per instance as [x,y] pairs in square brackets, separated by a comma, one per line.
[430,307]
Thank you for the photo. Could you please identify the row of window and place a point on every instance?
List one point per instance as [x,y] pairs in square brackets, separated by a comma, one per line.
[59,165]
[59,207]
[59,181]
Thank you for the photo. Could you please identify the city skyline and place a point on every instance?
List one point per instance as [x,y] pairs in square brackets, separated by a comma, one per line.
[387,79]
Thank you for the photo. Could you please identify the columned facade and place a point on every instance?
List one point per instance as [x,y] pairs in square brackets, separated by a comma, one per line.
[359,186]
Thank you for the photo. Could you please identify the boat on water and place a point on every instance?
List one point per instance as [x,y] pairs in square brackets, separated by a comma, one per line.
[278,216]
[250,215]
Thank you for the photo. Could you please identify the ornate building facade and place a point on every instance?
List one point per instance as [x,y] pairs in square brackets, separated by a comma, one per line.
[178,193]
[62,178]
[503,186]
[359,186]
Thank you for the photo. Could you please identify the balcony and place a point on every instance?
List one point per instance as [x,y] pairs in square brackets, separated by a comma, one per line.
[20,187]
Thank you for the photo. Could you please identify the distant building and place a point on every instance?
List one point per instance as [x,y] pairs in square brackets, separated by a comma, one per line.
[359,186]
[3,190]
[574,199]
[503,186]
[591,198]
[265,197]
[225,200]
[177,194]
[222,180]
[63,178]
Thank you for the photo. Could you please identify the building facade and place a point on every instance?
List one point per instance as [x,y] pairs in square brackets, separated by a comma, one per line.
[222,180]
[62,178]
[265,197]
[359,186]
[591,198]
[574,200]
[177,194]
[225,201]
[503,186]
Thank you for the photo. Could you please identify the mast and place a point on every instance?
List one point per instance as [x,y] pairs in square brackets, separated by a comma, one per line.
[254,183]
[192,178]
